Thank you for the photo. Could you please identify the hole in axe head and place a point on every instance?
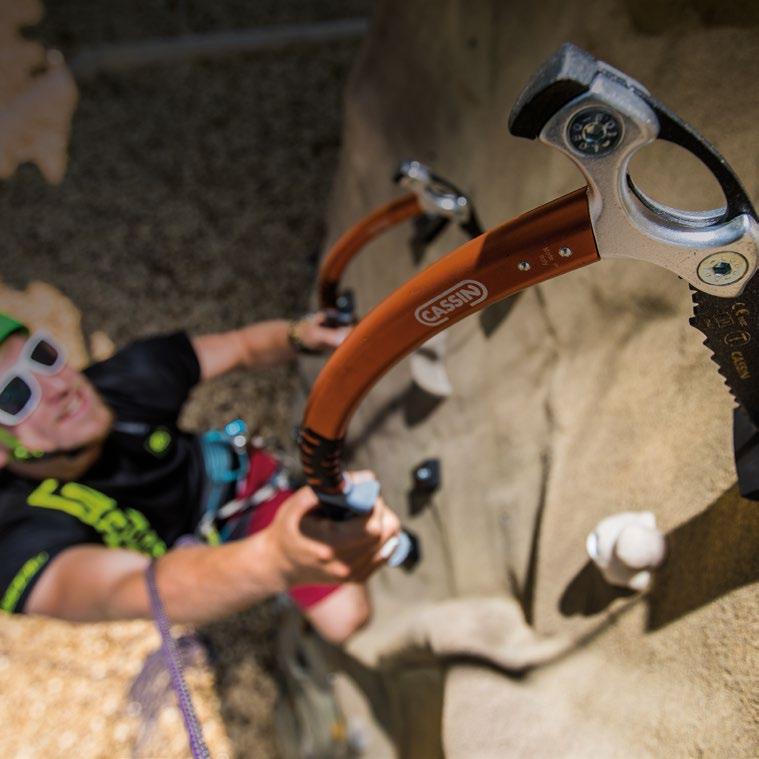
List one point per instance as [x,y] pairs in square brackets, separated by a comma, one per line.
[670,175]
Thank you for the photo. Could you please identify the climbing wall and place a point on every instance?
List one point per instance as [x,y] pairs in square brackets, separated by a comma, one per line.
[586,396]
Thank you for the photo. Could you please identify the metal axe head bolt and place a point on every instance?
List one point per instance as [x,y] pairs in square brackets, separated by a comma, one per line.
[594,131]
[722,268]
[601,118]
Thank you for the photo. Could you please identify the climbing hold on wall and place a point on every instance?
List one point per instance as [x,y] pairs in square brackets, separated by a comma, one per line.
[428,367]
[627,547]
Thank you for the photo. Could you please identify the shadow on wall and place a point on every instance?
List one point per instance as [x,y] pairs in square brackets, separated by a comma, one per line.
[655,17]
[405,695]
[417,405]
[710,555]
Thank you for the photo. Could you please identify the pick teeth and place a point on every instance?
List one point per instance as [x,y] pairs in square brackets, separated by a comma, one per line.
[693,321]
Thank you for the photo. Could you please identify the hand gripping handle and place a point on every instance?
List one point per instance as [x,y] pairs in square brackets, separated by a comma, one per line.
[341,499]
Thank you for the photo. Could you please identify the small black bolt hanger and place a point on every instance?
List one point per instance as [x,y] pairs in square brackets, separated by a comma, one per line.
[427,476]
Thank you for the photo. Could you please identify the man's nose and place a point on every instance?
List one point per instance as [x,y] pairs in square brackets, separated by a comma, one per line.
[54,385]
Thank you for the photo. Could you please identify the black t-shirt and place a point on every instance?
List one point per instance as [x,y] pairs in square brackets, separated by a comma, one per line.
[144,491]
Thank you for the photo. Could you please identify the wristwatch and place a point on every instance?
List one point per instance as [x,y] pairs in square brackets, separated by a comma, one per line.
[294,339]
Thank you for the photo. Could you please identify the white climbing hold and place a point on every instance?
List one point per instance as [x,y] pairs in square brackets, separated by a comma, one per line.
[428,367]
[627,547]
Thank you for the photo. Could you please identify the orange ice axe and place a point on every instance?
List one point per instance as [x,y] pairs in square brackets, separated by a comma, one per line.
[600,118]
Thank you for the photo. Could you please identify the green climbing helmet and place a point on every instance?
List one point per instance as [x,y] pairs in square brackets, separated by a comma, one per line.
[9,326]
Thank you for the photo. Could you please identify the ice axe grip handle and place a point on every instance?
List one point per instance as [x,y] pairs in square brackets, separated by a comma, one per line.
[344,312]
[342,499]
[358,499]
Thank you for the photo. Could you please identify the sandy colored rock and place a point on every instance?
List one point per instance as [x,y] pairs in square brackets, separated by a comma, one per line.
[74,700]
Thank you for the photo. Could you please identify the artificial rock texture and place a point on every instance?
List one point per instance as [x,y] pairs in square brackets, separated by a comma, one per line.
[590,395]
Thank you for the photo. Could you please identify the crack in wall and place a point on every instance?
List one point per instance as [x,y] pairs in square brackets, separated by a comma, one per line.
[527,596]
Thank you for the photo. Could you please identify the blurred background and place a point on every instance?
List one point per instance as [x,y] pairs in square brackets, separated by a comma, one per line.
[194,198]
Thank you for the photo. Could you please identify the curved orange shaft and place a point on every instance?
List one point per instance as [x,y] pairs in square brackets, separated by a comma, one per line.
[342,252]
[499,263]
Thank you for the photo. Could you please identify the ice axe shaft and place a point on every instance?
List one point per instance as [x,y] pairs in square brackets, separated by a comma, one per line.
[600,118]
[351,242]
[551,240]
[544,243]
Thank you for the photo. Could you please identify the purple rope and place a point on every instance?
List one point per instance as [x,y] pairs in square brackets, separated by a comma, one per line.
[198,745]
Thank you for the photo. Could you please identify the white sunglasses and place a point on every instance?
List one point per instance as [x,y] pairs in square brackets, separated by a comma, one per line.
[20,391]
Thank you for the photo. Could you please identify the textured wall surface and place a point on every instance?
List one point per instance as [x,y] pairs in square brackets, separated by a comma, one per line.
[591,395]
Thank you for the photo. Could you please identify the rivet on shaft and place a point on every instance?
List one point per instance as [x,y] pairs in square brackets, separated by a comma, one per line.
[523,266]
[565,252]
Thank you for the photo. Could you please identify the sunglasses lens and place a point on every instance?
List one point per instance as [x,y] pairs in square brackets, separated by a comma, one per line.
[14,396]
[45,354]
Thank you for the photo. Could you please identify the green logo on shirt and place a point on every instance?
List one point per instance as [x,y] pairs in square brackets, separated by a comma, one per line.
[21,580]
[159,441]
[120,528]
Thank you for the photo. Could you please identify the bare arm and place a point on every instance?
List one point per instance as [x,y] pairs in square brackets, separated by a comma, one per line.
[261,344]
[196,583]
[203,583]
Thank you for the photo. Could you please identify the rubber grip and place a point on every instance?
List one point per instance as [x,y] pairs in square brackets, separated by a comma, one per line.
[358,499]
[567,74]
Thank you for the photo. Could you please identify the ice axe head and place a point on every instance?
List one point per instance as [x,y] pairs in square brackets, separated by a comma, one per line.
[436,196]
[600,118]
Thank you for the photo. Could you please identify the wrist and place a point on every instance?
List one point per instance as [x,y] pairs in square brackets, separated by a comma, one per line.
[266,560]
[293,337]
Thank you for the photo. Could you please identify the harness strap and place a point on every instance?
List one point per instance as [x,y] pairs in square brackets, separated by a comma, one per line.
[226,462]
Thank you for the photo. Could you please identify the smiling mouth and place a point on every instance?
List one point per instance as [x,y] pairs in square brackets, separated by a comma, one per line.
[75,406]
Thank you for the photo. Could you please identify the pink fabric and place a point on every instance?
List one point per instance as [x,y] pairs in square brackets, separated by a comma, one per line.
[262,467]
